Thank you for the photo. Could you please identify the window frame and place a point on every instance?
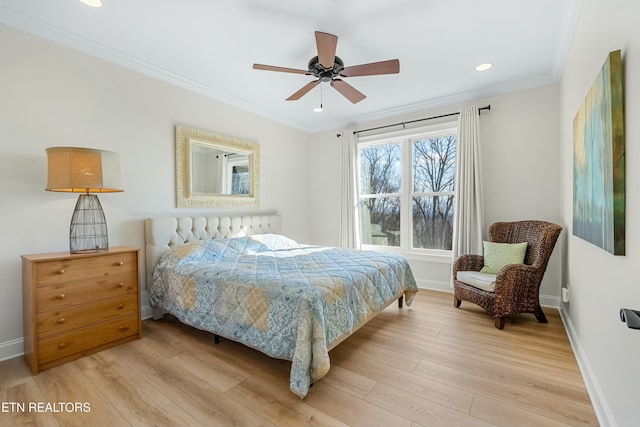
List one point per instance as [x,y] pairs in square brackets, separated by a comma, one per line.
[406,193]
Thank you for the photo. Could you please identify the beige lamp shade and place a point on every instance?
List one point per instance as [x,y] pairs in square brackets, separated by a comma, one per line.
[83,170]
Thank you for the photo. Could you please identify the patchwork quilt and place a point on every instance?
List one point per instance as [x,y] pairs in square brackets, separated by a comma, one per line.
[289,301]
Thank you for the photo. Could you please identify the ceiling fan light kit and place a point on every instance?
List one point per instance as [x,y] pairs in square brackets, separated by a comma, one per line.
[327,67]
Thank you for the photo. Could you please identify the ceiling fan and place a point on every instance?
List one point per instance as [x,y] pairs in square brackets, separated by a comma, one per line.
[328,67]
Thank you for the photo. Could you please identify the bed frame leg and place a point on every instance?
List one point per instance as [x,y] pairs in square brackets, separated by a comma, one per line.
[216,339]
[400,300]
[157,313]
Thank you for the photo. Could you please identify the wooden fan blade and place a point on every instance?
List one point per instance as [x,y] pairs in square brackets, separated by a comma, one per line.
[306,88]
[391,66]
[348,91]
[280,69]
[326,44]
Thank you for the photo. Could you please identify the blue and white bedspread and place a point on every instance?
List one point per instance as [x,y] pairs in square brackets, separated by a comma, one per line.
[289,301]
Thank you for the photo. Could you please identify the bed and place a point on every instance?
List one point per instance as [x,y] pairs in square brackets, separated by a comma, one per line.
[239,278]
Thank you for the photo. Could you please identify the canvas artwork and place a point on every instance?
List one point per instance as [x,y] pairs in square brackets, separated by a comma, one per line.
[599,161]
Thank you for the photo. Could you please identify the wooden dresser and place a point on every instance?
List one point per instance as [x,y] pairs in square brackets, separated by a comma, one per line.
[78,304]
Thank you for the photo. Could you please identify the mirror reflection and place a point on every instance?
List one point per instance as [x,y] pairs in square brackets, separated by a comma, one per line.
[218,170]
[215,171]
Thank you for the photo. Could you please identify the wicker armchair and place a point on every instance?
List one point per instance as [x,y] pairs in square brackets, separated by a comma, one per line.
[516,285]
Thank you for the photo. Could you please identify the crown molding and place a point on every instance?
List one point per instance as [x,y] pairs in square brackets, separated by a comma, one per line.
[50,32]
[458,98]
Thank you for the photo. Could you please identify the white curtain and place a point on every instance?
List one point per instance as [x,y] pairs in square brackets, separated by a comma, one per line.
[349,216]
[468,222]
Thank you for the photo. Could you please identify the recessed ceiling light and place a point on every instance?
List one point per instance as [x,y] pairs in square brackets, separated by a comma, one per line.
[484,67]
[92,3]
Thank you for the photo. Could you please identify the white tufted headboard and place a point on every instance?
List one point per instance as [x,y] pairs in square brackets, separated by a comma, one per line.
[162,234]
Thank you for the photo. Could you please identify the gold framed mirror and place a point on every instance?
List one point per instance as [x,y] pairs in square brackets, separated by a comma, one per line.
[216,171]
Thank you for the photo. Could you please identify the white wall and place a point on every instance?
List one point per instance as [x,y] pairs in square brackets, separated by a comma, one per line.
[54,96]
[602,283]
[521,170]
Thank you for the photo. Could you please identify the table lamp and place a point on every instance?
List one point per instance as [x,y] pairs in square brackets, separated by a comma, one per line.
[86,171]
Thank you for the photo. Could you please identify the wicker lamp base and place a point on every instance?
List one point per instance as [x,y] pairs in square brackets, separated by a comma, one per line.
[88,231]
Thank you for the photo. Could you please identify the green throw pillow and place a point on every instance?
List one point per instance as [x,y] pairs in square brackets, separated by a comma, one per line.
[497,255]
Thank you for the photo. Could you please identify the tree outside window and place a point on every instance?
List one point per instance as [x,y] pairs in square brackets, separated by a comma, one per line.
[407,191]
[434,171]
[380,186]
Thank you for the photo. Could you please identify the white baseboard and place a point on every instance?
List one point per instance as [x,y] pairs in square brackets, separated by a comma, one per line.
[599,402]
[549,301]
[11,349]
[433,285]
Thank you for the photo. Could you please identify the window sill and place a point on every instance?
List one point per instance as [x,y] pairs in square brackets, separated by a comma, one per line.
[443,257]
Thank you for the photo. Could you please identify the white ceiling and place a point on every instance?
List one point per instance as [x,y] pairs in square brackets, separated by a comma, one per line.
[209,46]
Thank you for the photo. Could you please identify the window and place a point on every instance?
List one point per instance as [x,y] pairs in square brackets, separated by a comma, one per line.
[236,179]
[407,188]
[240,179]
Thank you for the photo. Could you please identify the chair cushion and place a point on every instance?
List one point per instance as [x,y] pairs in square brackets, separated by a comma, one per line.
[479,280]
[497,255]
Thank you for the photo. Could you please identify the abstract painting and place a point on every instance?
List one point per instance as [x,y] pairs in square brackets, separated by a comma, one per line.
[599,161]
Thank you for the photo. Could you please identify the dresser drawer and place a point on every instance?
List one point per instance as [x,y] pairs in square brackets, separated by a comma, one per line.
[85,339]
[58,321]
[57,297]
[66,270]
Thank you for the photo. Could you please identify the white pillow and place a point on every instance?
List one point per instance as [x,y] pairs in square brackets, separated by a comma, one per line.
[275,241]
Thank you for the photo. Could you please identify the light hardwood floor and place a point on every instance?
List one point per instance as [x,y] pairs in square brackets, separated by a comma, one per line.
[426,365]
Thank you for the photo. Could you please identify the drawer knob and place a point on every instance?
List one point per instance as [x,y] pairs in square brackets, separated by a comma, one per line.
[61,271]
[120,285]
[62,345]
[120,306]
[123,328]
[61,320]
[120,263]
[61,296]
